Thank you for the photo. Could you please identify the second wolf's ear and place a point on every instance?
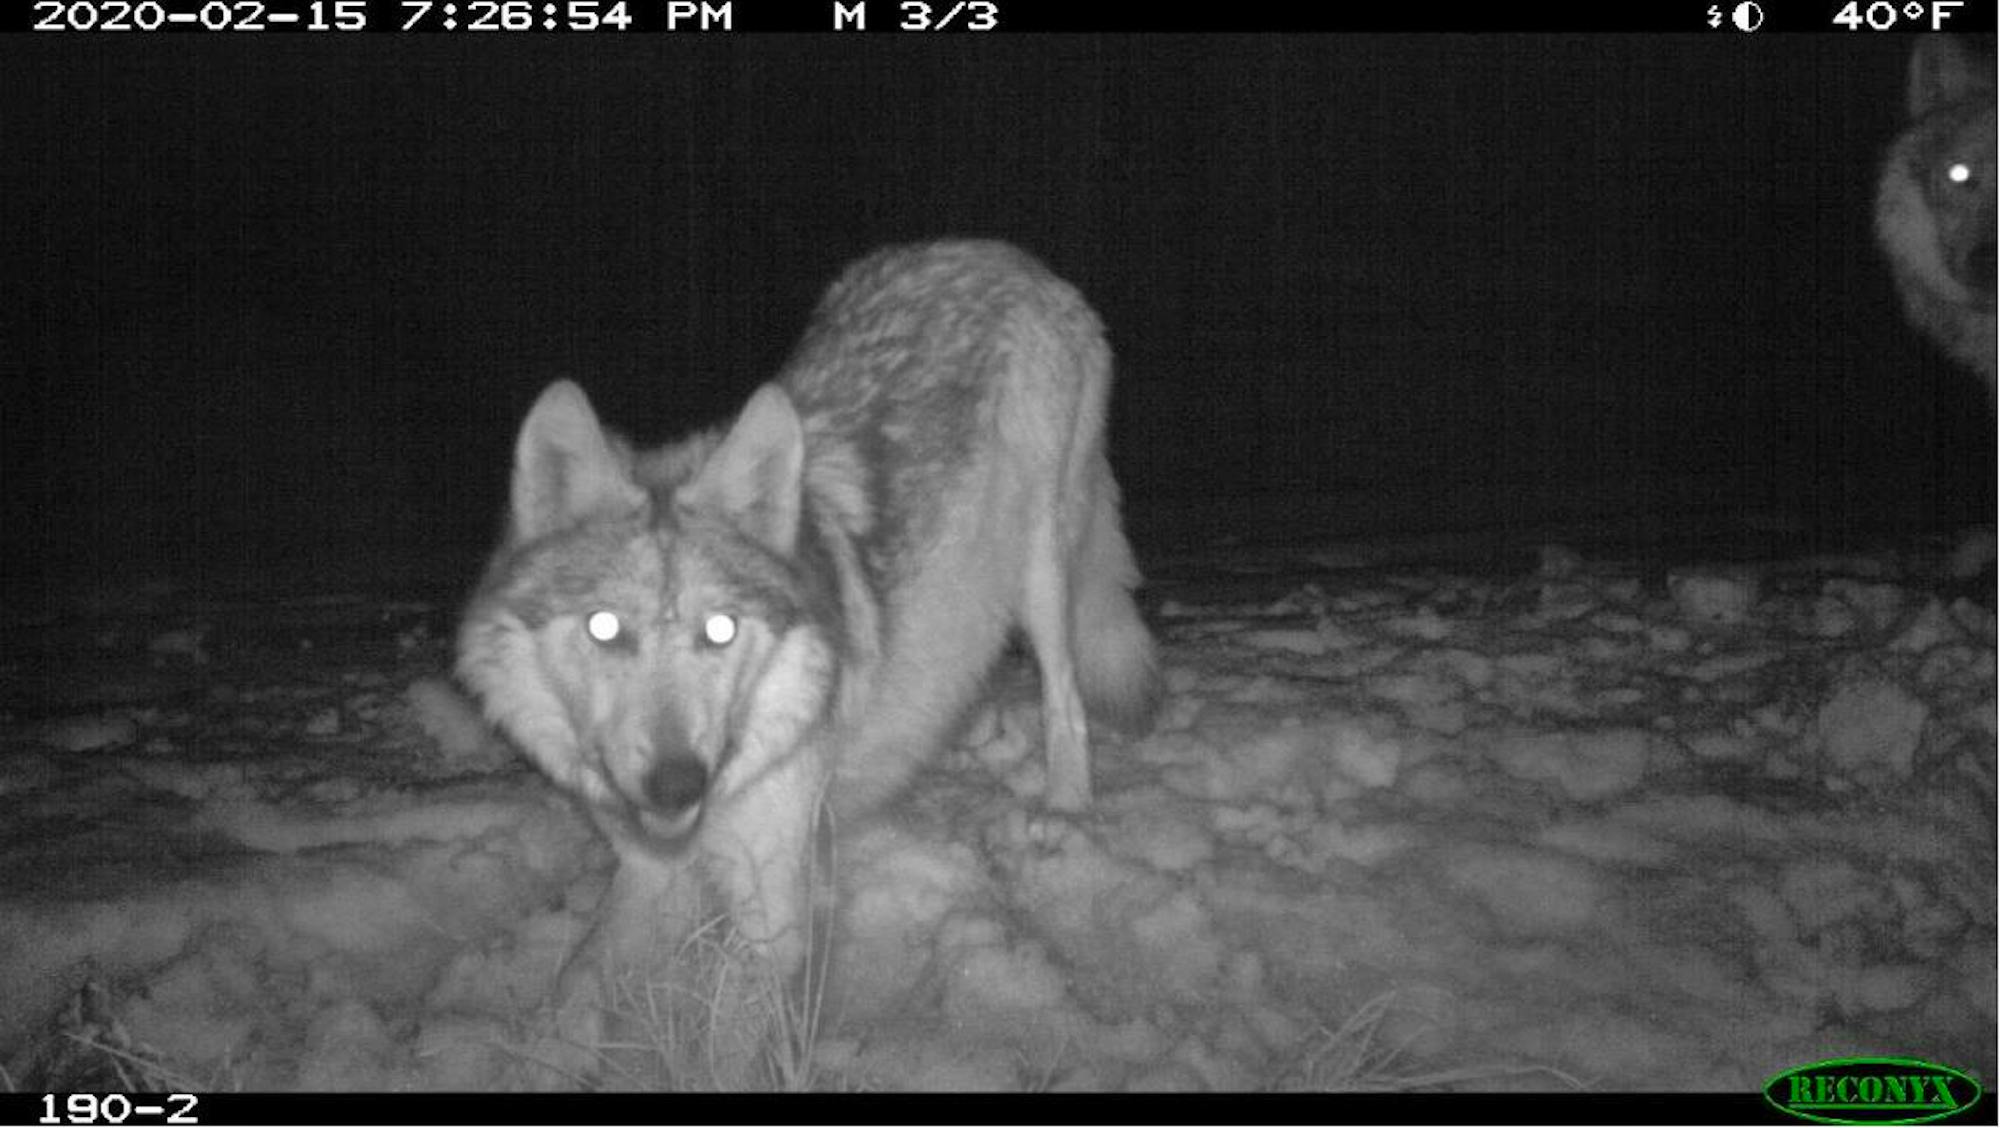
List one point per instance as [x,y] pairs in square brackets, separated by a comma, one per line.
[756,475]
[1942,71]
[566,466]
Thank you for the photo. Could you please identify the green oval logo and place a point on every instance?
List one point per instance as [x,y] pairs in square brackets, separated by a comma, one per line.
[1872,1090]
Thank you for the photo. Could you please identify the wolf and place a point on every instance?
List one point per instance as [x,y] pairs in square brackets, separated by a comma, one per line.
[1934,207]
[710,643]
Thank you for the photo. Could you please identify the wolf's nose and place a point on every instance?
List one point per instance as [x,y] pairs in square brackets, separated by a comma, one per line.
[676,783]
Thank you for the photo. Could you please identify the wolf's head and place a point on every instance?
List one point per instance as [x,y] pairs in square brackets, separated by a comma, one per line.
[1951,103]
[651,643]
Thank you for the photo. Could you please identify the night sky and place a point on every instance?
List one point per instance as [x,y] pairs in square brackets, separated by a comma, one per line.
[284,298]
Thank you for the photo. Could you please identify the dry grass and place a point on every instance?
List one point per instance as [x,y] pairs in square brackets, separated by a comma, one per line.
[715,1017]
[707,1014]
[1357,1057]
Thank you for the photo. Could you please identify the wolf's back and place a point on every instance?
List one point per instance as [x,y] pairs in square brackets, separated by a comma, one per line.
[954,398]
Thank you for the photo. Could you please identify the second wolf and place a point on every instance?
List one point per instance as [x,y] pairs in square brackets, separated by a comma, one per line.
[1934,211]
[702,640]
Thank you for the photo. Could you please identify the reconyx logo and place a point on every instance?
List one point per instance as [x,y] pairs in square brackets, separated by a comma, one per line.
[1872,1091]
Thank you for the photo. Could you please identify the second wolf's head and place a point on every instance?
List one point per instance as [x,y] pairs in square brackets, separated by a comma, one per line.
[1935,207]
[644,632]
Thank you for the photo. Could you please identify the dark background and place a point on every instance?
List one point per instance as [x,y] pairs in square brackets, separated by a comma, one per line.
[281,299]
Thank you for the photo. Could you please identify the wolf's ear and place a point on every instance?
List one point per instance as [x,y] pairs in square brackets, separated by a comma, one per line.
[1942,71]
[757,473]
[566,465]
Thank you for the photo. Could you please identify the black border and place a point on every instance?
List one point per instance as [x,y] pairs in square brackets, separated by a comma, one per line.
[885,17]
[997,1109]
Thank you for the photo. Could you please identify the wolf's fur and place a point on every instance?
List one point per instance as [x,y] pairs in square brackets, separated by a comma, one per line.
[926,475]
[1934,211]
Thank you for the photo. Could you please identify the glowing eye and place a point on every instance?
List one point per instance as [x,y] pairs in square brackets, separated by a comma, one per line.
[1959,173]
[719,629]
[604,626]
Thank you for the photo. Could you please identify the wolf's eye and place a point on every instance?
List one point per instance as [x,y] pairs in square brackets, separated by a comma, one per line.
[718,630]
[1958,172]
[604,626]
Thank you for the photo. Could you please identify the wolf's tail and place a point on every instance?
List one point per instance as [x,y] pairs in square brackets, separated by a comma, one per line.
[1117,662]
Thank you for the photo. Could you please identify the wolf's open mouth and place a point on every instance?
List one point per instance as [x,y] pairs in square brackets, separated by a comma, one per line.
[667,827]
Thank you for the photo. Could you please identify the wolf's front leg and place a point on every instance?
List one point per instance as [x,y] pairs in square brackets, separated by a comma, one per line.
[759,849]
[651,906]
[758,852]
